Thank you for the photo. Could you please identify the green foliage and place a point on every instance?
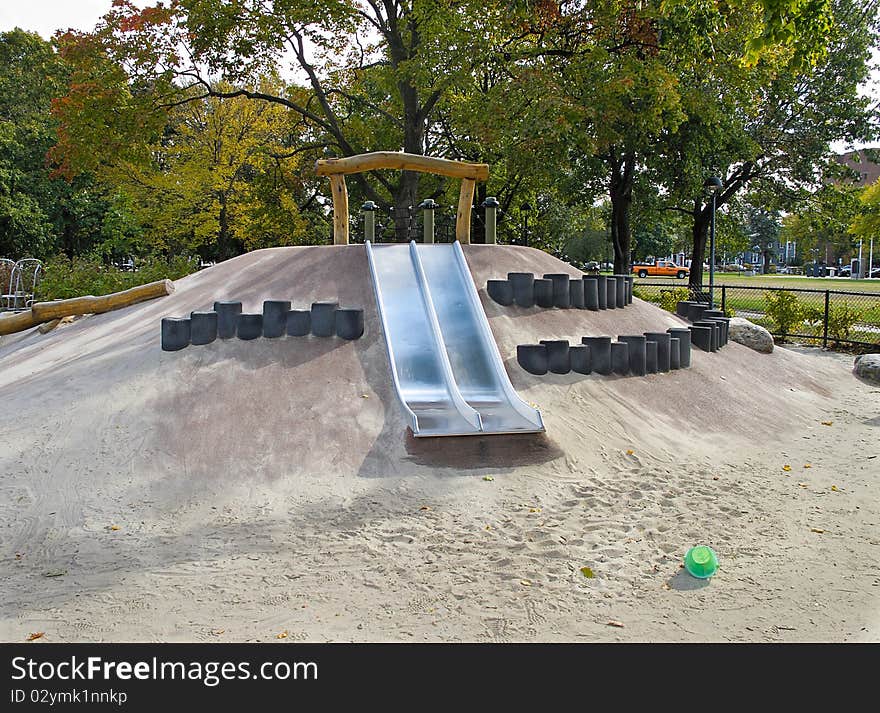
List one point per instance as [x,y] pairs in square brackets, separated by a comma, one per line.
[89,275]
[842,318]
[788,312]
[669,299]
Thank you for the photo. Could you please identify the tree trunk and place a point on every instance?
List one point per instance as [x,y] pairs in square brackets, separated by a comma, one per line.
[407,191]
[766,256]
[620,193]
[699,237]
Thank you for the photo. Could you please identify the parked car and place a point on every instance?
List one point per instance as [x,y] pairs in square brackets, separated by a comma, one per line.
[875,272]
[661,268]
[845,271]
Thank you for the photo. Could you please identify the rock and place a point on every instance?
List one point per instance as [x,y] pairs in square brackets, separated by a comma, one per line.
[867,369]
[749,334]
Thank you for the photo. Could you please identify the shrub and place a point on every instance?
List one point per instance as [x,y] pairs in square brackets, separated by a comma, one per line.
[88,275]
[841,320]
[669,299]
[787,312]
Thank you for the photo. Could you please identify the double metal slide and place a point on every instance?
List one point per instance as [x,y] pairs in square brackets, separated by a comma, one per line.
[445,364]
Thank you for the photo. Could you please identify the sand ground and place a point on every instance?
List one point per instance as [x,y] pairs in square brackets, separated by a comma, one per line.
[269,491]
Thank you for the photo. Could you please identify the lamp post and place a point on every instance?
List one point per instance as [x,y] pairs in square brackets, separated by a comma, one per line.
[525,209]
[711,186]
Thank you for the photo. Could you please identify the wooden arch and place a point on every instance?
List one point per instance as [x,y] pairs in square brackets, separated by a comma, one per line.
[337,168]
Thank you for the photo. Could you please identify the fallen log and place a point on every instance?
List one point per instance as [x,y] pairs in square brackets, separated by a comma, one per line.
[17,322]
[46,311]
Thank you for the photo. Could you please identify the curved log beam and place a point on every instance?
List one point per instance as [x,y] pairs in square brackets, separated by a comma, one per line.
[401,162]
[338,168]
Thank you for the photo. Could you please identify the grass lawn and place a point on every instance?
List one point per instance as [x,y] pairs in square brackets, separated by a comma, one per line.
[792,281]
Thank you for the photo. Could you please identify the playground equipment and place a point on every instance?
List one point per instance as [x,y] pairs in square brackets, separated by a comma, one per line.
[445,365]
[338,168]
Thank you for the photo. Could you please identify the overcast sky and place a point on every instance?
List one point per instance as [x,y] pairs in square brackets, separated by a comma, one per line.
[47,16]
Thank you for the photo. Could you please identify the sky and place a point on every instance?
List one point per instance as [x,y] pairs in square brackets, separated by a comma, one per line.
[47,16]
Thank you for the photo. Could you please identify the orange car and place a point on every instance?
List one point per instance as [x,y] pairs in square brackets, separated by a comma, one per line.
[663,268]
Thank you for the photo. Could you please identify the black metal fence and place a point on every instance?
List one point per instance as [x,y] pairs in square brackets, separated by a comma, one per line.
[827,317]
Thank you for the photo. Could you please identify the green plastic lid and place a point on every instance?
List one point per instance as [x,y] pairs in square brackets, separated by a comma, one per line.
[701,562]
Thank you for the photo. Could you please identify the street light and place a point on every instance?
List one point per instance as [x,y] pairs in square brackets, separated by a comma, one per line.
[711,186]
[525,209]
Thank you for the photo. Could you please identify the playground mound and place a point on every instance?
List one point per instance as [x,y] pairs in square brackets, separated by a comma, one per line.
[267,486]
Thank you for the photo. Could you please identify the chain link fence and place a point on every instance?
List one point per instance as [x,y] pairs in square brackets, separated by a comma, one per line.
[830,318]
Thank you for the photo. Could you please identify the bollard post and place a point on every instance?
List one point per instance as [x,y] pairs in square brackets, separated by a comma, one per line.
[369,210]
[427,207]
[491,206]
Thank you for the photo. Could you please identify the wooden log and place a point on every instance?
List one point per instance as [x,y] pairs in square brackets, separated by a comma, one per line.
[18,322]
[463,218]
[46,311]
[47,327]
[402,162]
[340,209]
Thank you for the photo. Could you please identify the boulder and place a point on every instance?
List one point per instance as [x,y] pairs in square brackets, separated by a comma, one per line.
[867,369]
[749,334]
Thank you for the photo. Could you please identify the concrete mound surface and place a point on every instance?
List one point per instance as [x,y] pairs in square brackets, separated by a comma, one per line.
[295,452]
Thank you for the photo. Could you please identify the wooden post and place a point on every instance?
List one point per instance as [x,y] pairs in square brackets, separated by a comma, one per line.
[463,218]
[340,209]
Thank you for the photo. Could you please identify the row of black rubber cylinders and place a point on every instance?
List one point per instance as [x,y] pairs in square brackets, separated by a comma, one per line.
[638,354]
[593,292]
[226,320]
[710,326]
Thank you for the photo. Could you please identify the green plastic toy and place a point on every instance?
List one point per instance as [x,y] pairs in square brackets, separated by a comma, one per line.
[701,562]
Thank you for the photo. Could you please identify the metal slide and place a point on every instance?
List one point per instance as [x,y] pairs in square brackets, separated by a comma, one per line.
[444,361]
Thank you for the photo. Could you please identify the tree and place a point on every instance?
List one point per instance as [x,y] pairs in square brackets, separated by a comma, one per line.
[822,222]
[374,72]
[218,180]
[38,213]
[769,131]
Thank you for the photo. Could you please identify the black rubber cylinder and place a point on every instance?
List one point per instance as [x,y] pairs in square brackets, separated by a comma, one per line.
[543,292]
[576,293]
[681,308]
[695,311]
[600,353]
[175,333]
[299,322]
[533,358]
[523,284]
[227,318]
[349,323]
[591,292]
[501,291]
[557,355]
[724,324]
[637,353]
[662,340]
[611,291]
[716,332]
[203,327]
[561,293]
[275,318]
[579,357]
[602,291]
[713,313]
[674,353]
[651,357]
[250,326]
[324,319]
[684,345]
[701,337]
[620,358]
[629,289]
[621,290]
